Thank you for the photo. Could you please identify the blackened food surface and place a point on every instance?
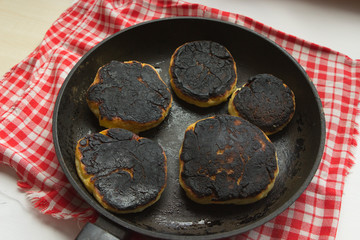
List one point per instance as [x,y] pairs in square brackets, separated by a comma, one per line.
[129,173]
[229,157]
[265,102]
[131,92]
[203,70]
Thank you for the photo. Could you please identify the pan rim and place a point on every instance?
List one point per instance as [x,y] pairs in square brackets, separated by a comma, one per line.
[117,219]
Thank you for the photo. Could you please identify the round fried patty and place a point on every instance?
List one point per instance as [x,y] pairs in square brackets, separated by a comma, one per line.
[265,101]
[226,159]
[125,173]
[129,95]
[202,73]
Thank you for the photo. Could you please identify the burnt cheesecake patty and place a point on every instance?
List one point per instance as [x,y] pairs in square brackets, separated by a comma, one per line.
[265,101]
[202,73]
[129,95]
[226,159]
[125,173]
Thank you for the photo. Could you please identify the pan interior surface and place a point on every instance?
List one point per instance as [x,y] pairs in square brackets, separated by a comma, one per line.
[299,146]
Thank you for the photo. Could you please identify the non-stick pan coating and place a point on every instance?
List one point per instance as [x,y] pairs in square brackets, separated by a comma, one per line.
[299,146]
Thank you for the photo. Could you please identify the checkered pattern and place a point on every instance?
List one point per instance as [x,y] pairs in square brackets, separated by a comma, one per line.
[29,90]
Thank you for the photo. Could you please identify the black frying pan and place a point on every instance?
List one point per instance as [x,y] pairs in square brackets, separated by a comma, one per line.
[299,146]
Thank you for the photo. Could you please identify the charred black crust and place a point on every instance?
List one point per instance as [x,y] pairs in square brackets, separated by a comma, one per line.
[131,92]
[203,70]
[114,157]
[244,168]
[265,102]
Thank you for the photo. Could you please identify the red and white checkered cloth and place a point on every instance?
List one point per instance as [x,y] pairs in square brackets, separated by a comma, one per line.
[29,90]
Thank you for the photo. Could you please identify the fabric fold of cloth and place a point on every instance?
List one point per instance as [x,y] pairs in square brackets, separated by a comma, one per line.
[29,91]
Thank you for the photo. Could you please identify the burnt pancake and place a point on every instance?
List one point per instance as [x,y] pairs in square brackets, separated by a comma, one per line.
[202,73]
[226,160]
[125,173]
[265,101]
[129,95]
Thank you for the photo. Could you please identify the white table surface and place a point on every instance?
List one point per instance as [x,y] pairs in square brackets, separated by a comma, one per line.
[332,23]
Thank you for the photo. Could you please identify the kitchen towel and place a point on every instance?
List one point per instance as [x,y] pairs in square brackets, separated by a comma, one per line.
[29,91]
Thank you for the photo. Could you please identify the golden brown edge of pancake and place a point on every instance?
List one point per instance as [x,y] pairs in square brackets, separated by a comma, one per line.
[208,200]
[120,123]
[89,183]
[232,110]
[211,101]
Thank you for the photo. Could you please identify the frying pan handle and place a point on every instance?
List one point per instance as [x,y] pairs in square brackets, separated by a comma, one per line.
[103,229]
